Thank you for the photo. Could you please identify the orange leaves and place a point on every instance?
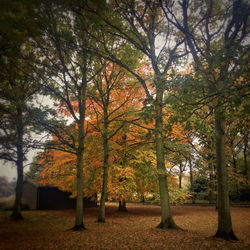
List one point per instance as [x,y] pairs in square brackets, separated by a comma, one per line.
[172,181]
[177,132]
[113,112]
[59,169]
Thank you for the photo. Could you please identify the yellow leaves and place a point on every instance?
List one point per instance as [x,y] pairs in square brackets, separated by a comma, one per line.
[121,184]
[240,81]
[168,165]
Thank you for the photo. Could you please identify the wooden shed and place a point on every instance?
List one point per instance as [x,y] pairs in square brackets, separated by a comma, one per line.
[48,197]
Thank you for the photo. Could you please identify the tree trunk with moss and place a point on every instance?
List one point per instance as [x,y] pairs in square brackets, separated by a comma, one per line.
[225,229]
[80,150]
[79,186]
[191,180]
[101,217]
[180,175]
[245,157]
[166,214]
[211,183]
[79,182]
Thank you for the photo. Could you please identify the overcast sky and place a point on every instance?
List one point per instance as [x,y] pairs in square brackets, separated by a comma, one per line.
[9,170]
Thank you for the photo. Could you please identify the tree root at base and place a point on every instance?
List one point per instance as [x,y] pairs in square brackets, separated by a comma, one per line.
[226,235]
[16,216]
[78,228]
[168,225]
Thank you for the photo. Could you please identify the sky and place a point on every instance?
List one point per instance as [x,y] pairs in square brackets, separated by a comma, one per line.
[8,169]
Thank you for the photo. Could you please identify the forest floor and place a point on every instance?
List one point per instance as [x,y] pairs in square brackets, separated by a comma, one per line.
[135,229]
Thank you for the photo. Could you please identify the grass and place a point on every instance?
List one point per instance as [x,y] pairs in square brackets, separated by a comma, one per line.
[133,230]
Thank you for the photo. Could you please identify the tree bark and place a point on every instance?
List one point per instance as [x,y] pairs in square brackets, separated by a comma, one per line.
[166,214]
[122,206]
[101,217]
[211,182]
[192,181]
[16,214]
[225,229]
[80,150]
[245,157]
[234,161]
[180,175]
[142,199]
[79,185]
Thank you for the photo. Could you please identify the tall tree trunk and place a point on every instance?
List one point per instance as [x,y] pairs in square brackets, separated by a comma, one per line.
[225,229]
[101,217]
[211,182]
[191,180]
[166,214]
[80,150]
[16,214]
[180,175]
[79,185]
[216,187]
[245,157]
[142,198]
[234,161]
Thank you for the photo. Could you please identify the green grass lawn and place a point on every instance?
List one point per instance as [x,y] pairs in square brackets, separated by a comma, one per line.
[133,230]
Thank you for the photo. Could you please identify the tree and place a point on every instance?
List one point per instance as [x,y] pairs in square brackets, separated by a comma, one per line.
[216,35]
[140,25]
[67,71]
[17,91]
[17,128]
[145,173]
[35,170]
[113,99]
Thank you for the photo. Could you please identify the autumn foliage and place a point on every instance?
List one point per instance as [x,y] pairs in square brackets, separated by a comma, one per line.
[132,159]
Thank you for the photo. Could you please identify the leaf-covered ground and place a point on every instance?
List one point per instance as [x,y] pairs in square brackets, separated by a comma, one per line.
[133,230]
